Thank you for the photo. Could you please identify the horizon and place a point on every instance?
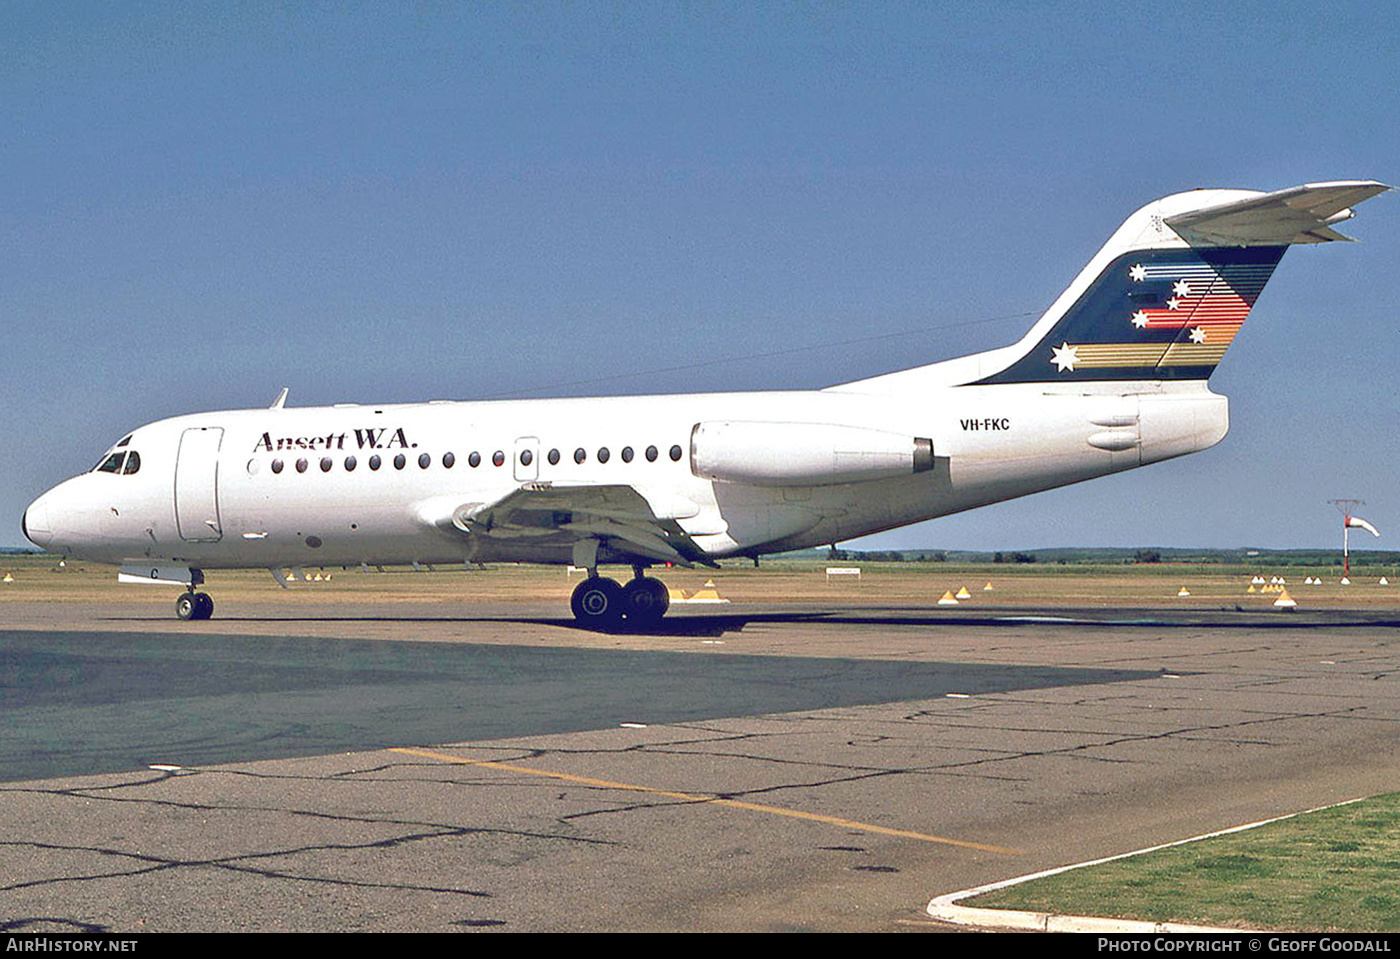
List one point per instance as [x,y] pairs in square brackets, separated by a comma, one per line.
[32,550]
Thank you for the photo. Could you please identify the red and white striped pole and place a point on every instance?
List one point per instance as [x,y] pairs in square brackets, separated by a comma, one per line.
[1344,506]
[1348,522]
[1346,552]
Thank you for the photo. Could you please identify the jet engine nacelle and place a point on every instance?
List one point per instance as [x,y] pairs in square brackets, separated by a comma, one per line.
[803,454]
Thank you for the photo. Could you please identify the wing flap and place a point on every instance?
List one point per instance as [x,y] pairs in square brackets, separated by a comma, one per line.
[619,517]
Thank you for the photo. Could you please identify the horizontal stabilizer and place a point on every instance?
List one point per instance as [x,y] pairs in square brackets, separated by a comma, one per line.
[1300,214]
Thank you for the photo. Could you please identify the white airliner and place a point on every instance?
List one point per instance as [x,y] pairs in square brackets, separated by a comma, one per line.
[1112,376]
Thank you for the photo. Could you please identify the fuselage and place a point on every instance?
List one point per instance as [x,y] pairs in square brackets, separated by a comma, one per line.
[351,484]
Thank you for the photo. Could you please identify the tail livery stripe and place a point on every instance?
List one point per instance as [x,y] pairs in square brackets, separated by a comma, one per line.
[1118,356]
[1152,314]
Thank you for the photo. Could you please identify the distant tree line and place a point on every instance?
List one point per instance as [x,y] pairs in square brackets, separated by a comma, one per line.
[887,556]
[1118,555]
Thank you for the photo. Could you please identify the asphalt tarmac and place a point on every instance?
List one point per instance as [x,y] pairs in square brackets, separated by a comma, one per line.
[755,769]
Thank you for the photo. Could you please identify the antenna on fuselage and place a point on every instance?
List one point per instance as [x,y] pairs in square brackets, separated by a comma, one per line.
[281,400]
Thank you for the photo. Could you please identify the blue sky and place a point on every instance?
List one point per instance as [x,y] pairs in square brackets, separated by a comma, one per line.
[202,203]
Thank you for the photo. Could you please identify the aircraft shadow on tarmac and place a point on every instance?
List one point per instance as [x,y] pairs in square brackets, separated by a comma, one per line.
[714,625]
[77,703]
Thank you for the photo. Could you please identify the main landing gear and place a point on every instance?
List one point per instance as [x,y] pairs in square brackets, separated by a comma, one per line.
[193,605]
[600,603]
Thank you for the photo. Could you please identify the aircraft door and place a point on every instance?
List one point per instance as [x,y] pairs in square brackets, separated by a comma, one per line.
[197,485]
[527,459]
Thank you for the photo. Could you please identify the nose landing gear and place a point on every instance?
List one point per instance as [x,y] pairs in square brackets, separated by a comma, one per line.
[194,606]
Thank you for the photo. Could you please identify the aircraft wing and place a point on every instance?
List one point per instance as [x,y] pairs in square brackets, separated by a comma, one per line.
[1300,214]
[619,518]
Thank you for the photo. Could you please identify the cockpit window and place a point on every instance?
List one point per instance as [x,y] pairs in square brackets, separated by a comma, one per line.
[124,440]
[114,463]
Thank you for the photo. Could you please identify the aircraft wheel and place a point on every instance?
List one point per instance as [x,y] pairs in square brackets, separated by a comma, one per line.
[597,602]
[645,601]
[186,606]
[194,606]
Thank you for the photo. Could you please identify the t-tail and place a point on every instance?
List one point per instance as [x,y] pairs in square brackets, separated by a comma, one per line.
[1168,293]
[1165,296]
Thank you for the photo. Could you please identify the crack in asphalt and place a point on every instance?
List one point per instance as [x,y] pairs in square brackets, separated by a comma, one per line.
[444,829]
[862,773]
[236,863]
[1189,733]
[24,923]
[147,863]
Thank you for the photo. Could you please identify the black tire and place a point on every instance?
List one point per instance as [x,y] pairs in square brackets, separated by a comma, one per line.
[645,601]
[204,606]
[597,603]
[187,606]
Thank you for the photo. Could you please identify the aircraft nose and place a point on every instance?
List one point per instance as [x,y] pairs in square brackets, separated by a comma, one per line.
[35,523]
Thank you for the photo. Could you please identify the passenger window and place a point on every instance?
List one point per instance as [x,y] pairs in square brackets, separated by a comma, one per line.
[350,464]
[301,466]
[424,461]
[603,454]
[499,458]
[374,461]
[399,461]
[325,464]
[474,460]
[133,463]
[112,464]
[676,454]
[276,466]
[651,454]
[553,457]
[627,454]
[447,460]
[580,455]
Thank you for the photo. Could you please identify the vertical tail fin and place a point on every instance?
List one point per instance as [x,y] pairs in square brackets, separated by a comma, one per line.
[1165,296]
[1170,290]
[1152,314]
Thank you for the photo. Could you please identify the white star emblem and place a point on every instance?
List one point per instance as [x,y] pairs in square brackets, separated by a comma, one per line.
[1063,356]
[1137,272]
[1198,335]
[1140,319]
[1181,288]
[1173,303]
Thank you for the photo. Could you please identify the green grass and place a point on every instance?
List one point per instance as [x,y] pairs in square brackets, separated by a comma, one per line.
[1336,869]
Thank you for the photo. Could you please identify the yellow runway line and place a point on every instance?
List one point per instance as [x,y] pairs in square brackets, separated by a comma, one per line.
[711,800]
